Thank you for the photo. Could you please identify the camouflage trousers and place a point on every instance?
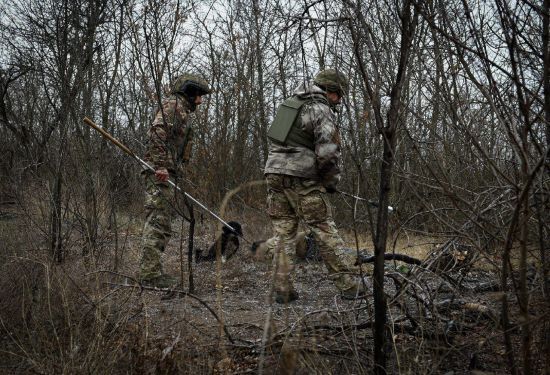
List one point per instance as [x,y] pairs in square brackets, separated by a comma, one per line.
[157,229]
[294,199]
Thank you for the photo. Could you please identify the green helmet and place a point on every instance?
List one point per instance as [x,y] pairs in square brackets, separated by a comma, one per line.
[190,85]
[333,81]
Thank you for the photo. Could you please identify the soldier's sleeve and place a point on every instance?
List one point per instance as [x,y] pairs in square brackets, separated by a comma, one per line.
[187,144]
[327,144]
[157,151]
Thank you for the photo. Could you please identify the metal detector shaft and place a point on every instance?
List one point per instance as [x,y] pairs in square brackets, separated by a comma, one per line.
[129,152]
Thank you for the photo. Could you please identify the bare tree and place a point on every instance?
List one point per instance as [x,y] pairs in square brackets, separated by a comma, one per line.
[366,38]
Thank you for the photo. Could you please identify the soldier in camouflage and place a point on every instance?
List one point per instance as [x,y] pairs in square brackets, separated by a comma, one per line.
[298,177]
[170,139]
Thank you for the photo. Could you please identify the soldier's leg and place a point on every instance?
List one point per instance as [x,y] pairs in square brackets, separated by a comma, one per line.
[156,230]
[263,251]
[285,229]
[299,253]
[285,226]
[270,246]
[316,212]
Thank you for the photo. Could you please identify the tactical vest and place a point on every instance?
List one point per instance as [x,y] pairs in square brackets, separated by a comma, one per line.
[286,127]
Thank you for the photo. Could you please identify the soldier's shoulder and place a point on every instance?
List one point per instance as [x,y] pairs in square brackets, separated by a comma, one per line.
[317,102]
[317,107]
[175,102]
[169,101]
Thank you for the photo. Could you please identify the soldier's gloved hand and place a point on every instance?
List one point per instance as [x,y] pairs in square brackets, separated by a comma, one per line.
[161,174]
[331,189]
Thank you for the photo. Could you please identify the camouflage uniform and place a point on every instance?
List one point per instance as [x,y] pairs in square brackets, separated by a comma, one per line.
[170,141]
[306,248]
[297,179]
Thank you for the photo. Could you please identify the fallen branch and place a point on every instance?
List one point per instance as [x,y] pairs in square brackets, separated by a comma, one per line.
[400,257]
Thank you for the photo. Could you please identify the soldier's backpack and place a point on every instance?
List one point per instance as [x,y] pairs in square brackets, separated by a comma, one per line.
[286,128]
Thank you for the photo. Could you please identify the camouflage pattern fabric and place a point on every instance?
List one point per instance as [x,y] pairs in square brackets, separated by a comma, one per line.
[332,80]
[319,122]
[293,199]
[306,248]
[170,141]
[170,135]
[196,85]
[157,229]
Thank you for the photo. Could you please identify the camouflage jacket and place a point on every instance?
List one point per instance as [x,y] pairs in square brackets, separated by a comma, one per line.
[170,137]
[321,164]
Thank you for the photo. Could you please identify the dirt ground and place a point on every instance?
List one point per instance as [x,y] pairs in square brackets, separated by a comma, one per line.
[87,317]
[237,329]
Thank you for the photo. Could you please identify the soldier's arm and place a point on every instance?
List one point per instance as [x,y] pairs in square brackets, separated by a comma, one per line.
[158,153]
[327,145]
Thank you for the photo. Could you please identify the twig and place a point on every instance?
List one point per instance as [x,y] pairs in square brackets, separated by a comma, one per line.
[180,292]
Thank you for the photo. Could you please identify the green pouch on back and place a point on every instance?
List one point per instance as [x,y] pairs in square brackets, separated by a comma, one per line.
[284,119]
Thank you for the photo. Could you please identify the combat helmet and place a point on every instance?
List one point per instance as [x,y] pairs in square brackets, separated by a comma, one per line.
[333,81]
[190,85]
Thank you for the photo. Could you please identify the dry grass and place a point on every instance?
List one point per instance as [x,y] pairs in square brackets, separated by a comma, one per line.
[77,318]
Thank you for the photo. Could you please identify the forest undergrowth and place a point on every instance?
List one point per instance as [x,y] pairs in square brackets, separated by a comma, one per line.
[85,316]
